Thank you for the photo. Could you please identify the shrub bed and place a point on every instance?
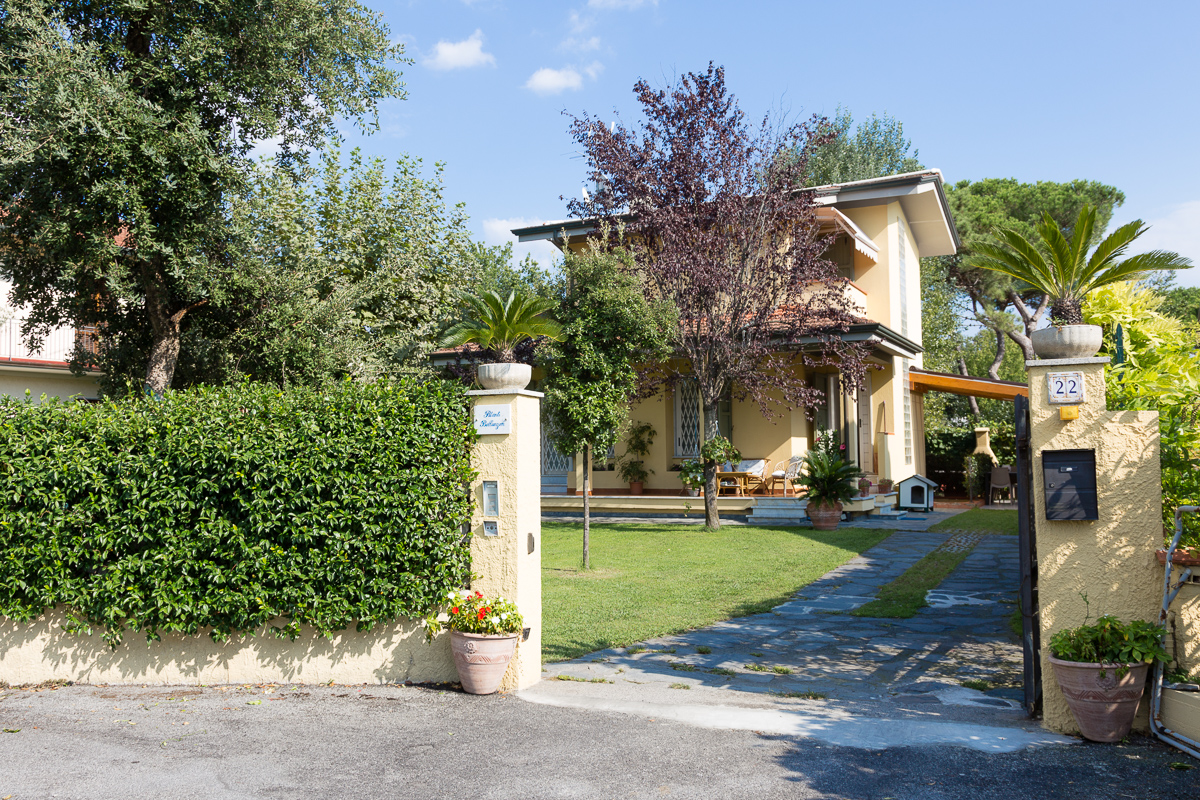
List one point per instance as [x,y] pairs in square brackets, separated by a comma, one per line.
[229,508]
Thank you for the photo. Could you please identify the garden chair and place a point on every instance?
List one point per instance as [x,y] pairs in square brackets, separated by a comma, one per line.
[756,473]
[1000,481]
[783,473]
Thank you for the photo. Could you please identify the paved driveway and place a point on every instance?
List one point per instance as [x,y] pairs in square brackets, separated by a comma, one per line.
[809,667]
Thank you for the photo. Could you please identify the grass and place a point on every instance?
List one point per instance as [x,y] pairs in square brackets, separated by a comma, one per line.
[976,684]
[655,580]
[981,519]
[808,695]
[756,668]
[722,671]
[703,650]
[581,680]
[905,596]
[680,686]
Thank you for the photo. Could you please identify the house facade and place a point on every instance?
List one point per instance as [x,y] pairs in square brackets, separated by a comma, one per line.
[44,370]
[882,227]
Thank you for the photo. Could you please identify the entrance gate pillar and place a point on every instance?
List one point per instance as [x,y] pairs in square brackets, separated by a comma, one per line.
[1110,558]
[506,548]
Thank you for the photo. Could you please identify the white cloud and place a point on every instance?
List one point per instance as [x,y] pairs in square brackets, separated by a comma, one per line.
[579,45]
[594,69]
[609,5]
[460,55]
[548,81]
[498,231]
[1178,231]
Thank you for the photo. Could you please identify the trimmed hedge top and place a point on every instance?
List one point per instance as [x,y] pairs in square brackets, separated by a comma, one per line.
[228,508]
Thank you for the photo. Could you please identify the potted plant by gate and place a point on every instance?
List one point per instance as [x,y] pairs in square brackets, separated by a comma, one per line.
[637,443]
[1062,271]
[1101,669]
[829,481]
[483,638]
[499,324]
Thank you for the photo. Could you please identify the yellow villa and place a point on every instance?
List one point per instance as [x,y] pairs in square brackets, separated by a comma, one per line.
[882,227]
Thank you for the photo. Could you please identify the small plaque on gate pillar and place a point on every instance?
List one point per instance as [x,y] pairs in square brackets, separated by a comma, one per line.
[1065,388]
[493,419]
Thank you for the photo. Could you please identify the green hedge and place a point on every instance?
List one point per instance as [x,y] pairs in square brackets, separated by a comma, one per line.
[227,508]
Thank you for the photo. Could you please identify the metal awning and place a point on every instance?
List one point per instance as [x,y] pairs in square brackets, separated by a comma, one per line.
[830,220]
[921,381]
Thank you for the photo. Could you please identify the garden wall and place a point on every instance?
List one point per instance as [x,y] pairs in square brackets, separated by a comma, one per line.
[255,535]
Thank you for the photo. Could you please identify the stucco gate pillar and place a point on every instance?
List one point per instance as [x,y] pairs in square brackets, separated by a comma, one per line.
[1110,559]
[506,549]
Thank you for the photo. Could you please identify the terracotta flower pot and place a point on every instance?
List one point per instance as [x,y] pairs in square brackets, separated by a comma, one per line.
[1103,707]
[825,517]
[885,486]
[1183,557]
[635,487]
[1067,341]
[482,659]
[864,488]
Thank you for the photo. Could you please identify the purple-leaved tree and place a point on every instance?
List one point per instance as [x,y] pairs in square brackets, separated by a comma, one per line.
[720,228]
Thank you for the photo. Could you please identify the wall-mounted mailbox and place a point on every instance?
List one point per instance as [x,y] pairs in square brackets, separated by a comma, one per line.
[1070,481]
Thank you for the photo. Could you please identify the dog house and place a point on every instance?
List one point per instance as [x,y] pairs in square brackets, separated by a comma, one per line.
[916,493]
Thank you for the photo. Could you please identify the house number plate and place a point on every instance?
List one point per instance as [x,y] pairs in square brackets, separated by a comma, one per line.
[1066,388]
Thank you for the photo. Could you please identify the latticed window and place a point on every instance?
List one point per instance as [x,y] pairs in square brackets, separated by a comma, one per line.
[908,428]
[687,418]
[553,462]
[902,252]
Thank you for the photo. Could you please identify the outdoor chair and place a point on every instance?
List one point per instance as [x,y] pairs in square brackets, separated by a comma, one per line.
[783,473]
[756,469]
[1000,481]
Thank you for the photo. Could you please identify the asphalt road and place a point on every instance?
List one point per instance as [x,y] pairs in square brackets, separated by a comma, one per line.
[416,742]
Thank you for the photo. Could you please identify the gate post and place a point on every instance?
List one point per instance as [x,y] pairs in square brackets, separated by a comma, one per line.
[506,546]
[1111,558]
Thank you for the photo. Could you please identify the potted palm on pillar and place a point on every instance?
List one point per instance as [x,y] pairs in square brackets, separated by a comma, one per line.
[499,324]
[829,481]
[1059,265]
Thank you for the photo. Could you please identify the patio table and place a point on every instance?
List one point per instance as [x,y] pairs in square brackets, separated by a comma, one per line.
[739,478]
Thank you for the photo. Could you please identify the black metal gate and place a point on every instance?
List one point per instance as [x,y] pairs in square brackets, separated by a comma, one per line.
[1030,630]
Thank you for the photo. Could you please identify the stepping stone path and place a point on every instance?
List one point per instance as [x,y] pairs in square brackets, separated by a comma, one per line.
[812,647]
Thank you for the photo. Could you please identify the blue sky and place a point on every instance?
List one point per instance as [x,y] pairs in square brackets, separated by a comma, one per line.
[1036,91]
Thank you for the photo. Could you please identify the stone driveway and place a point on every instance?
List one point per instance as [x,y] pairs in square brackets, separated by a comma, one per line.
[811,656]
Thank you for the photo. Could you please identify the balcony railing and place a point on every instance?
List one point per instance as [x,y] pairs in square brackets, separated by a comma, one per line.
[59,345]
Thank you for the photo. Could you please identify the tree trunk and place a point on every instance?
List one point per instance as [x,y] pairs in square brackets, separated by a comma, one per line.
[587,508]
[971,401]
[712,490]
[1001,342]
[166,328]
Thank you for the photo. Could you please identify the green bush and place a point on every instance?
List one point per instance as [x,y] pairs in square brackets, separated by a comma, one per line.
[229,508]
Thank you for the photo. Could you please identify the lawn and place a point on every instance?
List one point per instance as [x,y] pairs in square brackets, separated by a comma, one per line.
[653,580]
[981,519]
[905,596]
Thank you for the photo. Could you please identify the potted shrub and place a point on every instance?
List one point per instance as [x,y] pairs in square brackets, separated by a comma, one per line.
[829,481]
[1101,669]
[483,638]
[691,475]
[500,324]
[1061,269]
[885,485]
[864,487]
[637,443]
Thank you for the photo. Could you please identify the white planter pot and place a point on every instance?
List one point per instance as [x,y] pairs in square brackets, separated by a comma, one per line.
[1068,341]
[513,377]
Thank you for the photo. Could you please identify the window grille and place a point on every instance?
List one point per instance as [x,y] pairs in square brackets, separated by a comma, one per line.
[908,432]
[687,418]
[902,252]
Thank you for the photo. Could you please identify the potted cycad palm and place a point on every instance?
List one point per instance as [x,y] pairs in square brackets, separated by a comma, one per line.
[829,481]
[1060,267]
[499,324]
